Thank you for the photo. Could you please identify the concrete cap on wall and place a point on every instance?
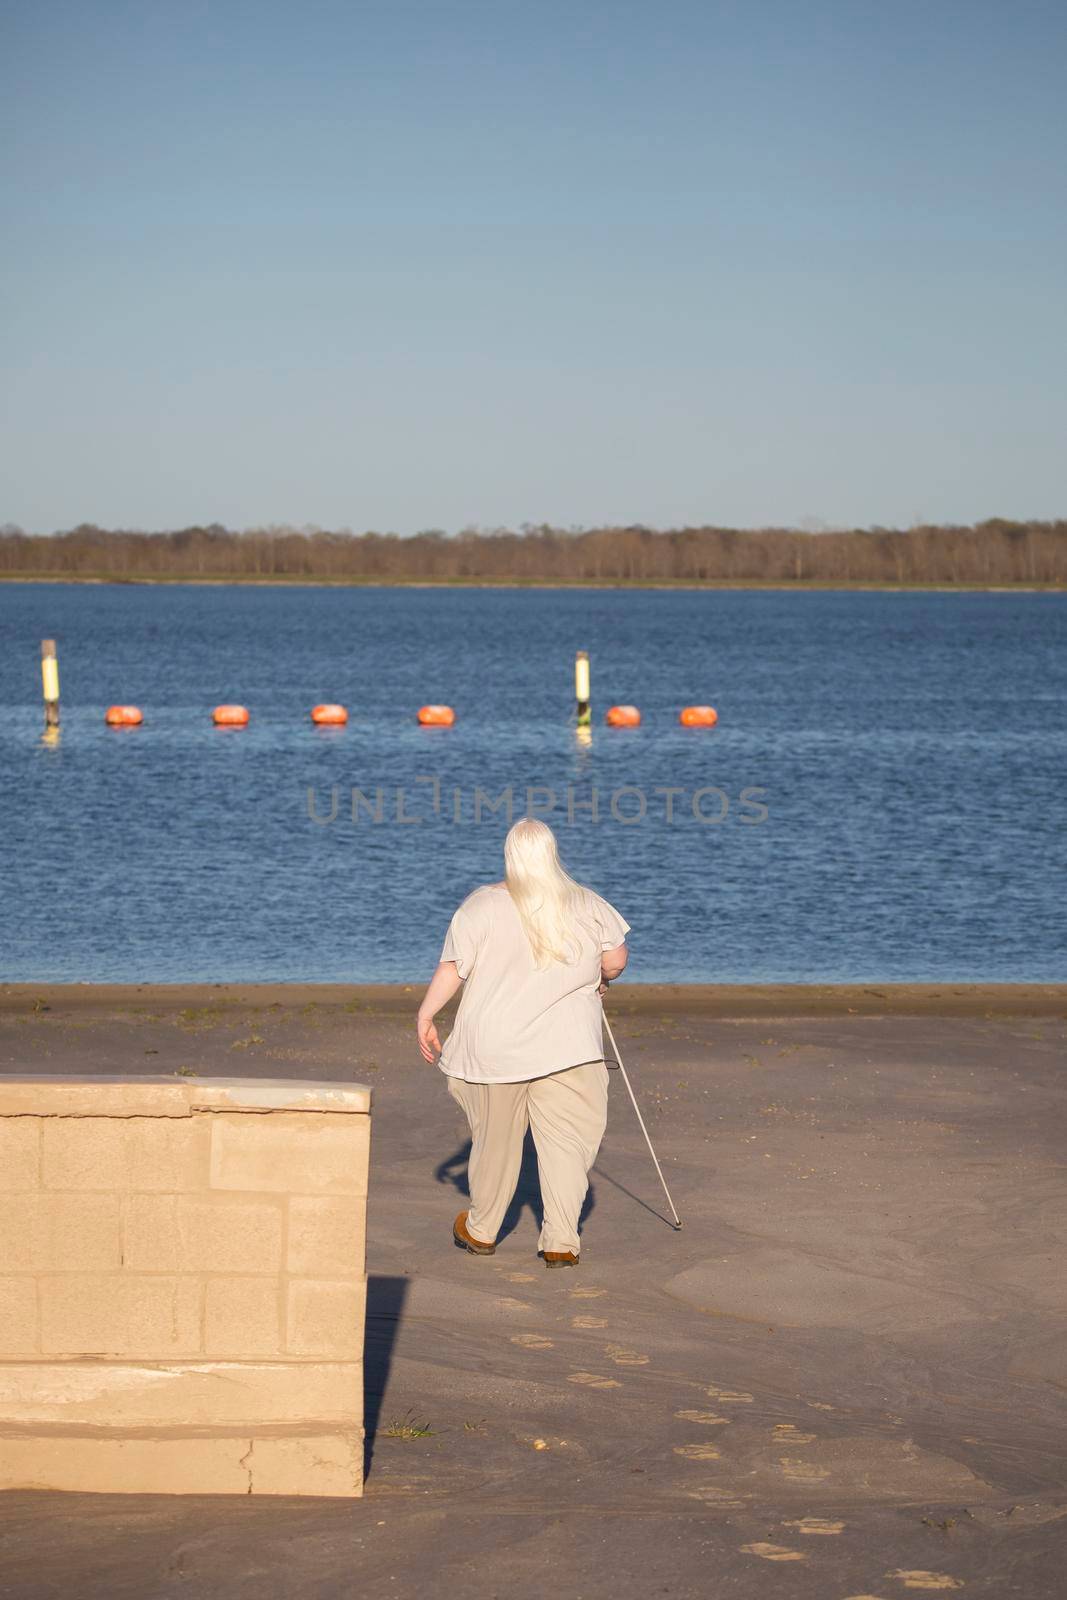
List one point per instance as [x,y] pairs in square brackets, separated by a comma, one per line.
[101,1095]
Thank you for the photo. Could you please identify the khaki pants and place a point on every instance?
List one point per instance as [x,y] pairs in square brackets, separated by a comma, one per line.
[567,1113]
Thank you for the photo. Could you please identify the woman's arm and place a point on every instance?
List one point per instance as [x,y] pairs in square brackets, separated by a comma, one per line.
[612,963]
[443,985]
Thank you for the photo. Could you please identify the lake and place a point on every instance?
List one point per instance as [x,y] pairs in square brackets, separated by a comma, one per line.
[907,753]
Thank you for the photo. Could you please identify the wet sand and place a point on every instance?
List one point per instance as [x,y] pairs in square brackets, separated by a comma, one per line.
[724,999]
[845,1377]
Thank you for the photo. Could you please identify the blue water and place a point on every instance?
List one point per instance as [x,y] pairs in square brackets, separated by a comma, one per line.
[909,749]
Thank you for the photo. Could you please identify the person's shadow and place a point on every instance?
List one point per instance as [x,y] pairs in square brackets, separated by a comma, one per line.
[527,1190]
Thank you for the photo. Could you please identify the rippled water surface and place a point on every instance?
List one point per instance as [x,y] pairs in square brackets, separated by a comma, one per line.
[909,751]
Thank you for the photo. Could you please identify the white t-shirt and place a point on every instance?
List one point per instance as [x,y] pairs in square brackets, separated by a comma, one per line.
[516,1021]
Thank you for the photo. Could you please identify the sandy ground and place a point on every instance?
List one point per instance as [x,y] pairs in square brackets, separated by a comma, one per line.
[845,1377]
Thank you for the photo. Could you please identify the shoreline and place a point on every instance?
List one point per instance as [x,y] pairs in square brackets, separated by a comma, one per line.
[771,586]
[871,999]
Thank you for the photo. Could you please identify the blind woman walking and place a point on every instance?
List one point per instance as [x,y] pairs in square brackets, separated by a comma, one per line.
[533,954]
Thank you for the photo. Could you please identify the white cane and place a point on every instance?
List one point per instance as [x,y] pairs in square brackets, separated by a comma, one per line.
[677,1219]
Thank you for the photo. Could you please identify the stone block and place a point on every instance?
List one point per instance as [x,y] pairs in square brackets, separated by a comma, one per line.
[242,1317]
[125,1153]
[222,1394]
[18,1317]
[312,1462]
[327,1236]
[150,1240]
[325,1318]
[42,1232]
[278,1094]
[20,1152]
[202,1233]
[97,1095]
[113,1314]
[290,1152]
[326,1463]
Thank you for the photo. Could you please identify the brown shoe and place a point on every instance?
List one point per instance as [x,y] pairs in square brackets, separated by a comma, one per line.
[467,1241]
[559,1258]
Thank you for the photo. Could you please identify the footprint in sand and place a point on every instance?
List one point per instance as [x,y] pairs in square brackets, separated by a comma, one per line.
[589,1322]
[916,1578]
[787,1433]
[593,1380]
[802,1471]
[709,1418]
[819,1405]
[507,1303]
[697,1452]
[623,1357]
[729,1397]
[531,1341]
[586,1294]
[710,1494]
[815,1525]
[773,1552]
[520,1277]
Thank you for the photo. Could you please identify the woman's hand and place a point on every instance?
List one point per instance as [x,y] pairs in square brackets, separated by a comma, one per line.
[443,985]
[429,1043]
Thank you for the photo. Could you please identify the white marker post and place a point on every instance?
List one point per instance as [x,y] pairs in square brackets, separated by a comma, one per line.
[581,688]
[50,682]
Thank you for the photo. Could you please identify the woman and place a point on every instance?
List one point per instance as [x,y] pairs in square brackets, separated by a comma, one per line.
[533,955]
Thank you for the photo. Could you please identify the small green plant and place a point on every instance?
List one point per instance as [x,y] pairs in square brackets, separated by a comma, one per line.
[475,1427]
[185,1072]
[407,1427]
[196,1016]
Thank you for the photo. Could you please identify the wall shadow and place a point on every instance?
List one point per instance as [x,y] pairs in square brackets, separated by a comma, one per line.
[527,1195]
[385,1307]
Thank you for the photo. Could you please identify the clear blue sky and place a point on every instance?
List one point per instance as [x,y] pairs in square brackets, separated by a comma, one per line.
[400,265]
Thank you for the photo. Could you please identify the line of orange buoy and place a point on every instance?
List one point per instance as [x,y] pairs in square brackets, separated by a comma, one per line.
[689,717]
[323,716]
[329,715]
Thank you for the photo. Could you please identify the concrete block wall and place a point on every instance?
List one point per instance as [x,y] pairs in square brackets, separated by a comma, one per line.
[182,1285]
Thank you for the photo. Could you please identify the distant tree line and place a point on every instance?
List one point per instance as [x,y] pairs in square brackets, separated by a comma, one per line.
[989,553]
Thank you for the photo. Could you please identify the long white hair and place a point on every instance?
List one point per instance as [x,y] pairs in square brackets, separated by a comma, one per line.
[548,900]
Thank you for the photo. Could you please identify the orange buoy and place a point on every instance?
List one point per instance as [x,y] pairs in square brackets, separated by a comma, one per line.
[436,716]
[698,716]
[230,716]
[622,717]
[329,716]
[123,717]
